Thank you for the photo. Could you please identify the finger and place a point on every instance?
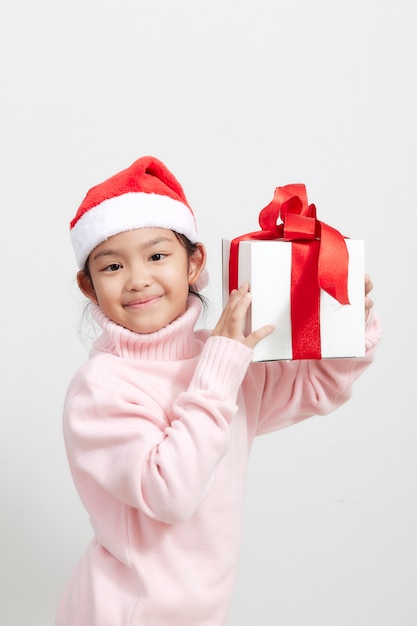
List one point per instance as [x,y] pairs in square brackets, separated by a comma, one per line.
[236,295]
[368,306]
[256,336]
[234,298]
[239,301]
[368,284]
[235,316]
[232,318]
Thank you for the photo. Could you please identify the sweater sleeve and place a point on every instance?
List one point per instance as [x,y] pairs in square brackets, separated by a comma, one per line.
[290,391]
[122,443]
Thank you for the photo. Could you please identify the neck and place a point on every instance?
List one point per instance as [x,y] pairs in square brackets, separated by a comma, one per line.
[173,342]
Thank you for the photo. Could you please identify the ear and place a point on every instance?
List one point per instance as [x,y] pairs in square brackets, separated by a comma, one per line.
[86,286]
[196,264]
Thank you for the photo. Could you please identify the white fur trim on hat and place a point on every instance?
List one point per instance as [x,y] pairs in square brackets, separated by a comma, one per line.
[127,212]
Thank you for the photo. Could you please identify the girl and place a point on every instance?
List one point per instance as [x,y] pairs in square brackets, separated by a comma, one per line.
[159,422]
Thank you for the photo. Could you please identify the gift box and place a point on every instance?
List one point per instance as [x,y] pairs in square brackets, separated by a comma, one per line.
[306,279]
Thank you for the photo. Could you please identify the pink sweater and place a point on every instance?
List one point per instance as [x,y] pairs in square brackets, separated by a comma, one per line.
[158,430]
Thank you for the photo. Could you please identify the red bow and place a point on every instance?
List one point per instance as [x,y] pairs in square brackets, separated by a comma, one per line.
[319,261]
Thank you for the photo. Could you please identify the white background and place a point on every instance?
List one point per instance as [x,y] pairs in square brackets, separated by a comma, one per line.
[237,98]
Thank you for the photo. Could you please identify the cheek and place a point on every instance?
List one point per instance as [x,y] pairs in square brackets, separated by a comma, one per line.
[105,293]
[178,274]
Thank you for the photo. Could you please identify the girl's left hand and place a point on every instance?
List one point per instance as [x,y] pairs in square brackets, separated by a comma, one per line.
[368,302]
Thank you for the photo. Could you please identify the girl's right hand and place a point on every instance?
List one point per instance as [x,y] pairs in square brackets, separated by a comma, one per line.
[231,322]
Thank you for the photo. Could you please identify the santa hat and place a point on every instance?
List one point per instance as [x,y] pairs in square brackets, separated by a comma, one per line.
[145,194]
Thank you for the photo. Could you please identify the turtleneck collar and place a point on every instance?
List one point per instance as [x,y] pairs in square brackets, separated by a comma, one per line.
[174,342]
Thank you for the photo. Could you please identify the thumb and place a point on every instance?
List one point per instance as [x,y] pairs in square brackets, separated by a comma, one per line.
[256,336]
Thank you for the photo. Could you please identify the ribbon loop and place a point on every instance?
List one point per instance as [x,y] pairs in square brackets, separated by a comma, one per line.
[299,227]
[269,216]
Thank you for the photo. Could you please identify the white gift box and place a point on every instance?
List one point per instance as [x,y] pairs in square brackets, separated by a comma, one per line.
[266,265]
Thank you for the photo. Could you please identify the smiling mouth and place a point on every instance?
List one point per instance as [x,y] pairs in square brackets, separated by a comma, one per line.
[142,304]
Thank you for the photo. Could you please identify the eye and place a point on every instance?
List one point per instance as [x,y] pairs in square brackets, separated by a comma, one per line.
[158,256]
[113,267]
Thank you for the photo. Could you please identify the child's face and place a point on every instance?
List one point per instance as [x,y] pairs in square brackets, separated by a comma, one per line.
[140,278]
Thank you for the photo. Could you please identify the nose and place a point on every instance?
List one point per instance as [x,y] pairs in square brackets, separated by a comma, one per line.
[138,278]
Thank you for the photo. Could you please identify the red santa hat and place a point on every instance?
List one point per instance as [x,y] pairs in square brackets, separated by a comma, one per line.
[145,194]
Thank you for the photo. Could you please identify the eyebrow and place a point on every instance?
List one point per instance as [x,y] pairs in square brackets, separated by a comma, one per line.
[147,245]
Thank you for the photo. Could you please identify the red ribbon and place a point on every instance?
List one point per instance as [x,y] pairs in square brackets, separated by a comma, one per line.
[319,261]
